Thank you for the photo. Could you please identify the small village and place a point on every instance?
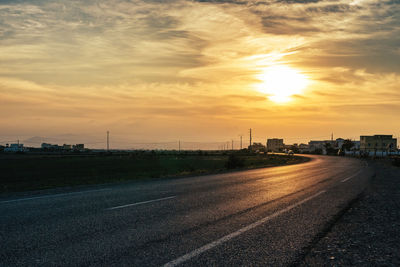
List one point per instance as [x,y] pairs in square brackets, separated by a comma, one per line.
[367,146]
[376,145]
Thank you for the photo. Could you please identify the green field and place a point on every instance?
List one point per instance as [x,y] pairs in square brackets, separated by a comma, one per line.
[33,172]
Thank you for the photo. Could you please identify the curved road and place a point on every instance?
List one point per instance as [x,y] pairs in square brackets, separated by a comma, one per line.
[258,217]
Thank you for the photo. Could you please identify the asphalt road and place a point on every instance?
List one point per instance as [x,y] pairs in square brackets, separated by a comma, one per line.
[268,216]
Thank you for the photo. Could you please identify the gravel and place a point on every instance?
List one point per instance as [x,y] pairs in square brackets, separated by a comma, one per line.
[368,234]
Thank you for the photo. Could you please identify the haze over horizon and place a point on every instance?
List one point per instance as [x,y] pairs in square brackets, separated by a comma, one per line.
[199,71]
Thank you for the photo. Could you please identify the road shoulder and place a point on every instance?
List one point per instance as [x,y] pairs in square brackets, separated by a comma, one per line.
[369,232]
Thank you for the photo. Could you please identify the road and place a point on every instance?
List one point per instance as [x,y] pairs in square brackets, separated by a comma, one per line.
[260,217]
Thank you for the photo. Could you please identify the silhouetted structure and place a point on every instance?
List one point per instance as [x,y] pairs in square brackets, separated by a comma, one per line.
[275,145]
[377,143]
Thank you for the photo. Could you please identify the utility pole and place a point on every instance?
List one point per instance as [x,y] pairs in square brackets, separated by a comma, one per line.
[179,142]
[332,137]
[241,142]
[250,138]
[108,141]
[232,145]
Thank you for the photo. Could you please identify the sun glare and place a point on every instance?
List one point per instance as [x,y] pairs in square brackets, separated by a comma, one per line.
[280,83]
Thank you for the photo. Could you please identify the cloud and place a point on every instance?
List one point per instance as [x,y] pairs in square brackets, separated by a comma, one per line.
[298,1]
[103,42]
[336,8]
[235,2]
[90,65]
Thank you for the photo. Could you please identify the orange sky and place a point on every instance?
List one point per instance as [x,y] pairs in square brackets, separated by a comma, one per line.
[160,71]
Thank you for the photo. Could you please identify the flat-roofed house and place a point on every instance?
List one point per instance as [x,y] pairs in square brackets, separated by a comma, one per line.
[275,145]
[378,143]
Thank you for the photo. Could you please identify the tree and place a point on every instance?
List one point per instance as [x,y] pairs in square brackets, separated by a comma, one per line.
[258,147]
[295,149]
[329,149]
[347,145]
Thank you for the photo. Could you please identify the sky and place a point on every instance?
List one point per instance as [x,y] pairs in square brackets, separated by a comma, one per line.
[160,71]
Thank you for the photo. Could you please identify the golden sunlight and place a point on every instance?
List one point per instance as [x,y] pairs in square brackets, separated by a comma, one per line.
[281,82]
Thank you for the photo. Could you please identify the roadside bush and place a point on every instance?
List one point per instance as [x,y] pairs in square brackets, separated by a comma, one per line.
[234,162]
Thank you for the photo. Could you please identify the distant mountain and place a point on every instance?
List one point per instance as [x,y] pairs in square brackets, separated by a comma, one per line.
[57,139]
[39,140]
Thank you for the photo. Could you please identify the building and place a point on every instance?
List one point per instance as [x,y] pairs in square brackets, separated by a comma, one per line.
[275,145]
[320,146]
[356,145]
[316,145]
[15,148]
[79,147]
[288,147]
[304,148]
[378,143]
[46,146]
[67,147]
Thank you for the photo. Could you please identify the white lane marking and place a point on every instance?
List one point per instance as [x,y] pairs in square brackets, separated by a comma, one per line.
[354,175]
[55,195]
[140,203]
[228,237]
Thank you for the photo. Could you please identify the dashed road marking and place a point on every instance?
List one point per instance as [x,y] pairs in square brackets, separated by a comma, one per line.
[140,203]
[230,236]
[354,175]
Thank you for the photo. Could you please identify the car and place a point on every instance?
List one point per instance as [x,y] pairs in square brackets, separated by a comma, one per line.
[290,152]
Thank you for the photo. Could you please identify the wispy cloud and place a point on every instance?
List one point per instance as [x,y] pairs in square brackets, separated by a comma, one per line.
[160,64]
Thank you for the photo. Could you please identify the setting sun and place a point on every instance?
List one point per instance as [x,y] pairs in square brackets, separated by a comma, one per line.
[281,82]
[156,72]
